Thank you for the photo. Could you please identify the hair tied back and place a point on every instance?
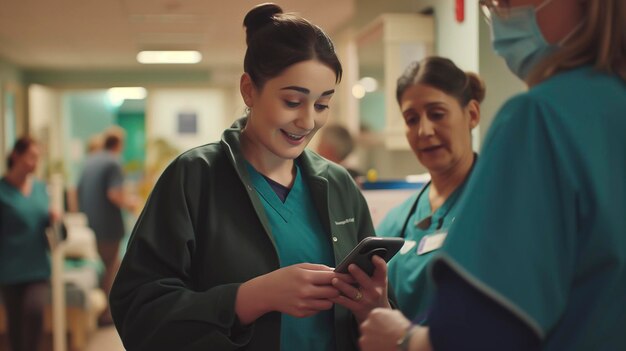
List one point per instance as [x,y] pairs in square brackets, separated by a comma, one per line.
[259,17]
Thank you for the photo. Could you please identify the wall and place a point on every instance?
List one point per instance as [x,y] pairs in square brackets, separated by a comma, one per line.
[210,106]
[45,123]
[111,78]
[454,40]
[10,82]
[84,113]
[9,72]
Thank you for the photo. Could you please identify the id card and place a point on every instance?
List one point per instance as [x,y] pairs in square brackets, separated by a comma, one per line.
[408,245]
[431,242]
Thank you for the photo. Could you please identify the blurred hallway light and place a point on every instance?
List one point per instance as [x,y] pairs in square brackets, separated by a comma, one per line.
[169,57]
[119,94]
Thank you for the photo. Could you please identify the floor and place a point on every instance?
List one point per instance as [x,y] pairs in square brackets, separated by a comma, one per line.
[105,339]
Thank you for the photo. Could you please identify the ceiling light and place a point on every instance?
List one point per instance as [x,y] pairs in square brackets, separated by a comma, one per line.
[118,95]
[169,57]
[358,91]
[369,84]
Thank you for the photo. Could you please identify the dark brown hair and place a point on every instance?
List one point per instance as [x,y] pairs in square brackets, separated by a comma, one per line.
[19,148]
[441,73]
[112,141]
[113,137]
[277,40]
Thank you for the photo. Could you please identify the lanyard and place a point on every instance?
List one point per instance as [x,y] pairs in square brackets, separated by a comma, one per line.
[413,208]
[456,194]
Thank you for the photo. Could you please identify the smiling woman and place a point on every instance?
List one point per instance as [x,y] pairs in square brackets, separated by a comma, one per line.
[236,245]
[285,115]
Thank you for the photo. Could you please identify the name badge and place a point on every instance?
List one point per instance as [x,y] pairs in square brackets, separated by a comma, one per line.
[431,242]
[408,245]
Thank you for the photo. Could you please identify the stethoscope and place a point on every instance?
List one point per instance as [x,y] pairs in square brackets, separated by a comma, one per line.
[425,223]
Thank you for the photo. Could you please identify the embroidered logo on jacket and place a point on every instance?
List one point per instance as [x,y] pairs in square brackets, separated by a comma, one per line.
[345,221]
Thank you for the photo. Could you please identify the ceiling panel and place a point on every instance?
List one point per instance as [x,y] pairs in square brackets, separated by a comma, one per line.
[107,34]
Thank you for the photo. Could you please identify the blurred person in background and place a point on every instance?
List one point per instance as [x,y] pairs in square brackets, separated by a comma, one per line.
[441,106]
[536,259]
[24,260]
[234,249]
[95,143]
[336,144]
[101,197]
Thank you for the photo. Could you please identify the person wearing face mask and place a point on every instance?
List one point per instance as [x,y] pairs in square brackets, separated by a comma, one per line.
[235,247]
[536,259]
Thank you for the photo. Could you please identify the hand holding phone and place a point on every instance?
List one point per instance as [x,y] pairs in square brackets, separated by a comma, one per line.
[362,254]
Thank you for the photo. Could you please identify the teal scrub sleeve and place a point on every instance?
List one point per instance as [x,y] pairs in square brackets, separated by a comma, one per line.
[153,305]
[515,236]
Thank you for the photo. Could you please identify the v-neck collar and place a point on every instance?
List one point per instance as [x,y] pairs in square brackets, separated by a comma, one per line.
[447,206]
[425,210]
[264,189]
[17,190]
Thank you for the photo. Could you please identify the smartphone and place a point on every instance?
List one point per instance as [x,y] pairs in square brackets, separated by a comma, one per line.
[362,254]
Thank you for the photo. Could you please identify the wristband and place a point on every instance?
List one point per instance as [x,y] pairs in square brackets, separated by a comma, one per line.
[403,344]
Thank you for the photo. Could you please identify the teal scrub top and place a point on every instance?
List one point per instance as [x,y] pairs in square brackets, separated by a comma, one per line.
[23,244]
[407,270]
[299,237]
[542,225]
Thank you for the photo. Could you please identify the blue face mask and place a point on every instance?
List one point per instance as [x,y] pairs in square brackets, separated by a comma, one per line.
[518,39]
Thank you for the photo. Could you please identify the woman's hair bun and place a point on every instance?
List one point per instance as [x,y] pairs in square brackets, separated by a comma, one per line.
[477,86]
[258,17]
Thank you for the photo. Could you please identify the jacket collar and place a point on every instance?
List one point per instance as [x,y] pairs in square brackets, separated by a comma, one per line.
[314,171]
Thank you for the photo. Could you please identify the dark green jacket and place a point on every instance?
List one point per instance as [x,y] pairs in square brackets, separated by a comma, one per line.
[202,233]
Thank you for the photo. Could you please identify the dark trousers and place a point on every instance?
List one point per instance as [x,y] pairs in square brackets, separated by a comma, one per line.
[24,304]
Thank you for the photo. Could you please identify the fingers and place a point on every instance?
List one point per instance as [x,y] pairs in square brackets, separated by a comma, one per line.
[319,277]
[319,305]
[361,277]
[314,267]
[345,277]
[380,272]
[345,288]
[322,292]
[317,274]
[379,277]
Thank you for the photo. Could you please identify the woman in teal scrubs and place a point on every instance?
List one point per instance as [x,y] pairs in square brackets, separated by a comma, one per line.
[536,259]
[440,106]
[24,262]
[235,247]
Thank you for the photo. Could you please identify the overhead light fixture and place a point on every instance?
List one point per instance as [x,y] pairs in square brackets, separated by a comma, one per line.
[369,84]
[119,94]
[358,91]
[169,57]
